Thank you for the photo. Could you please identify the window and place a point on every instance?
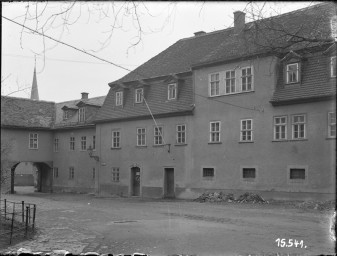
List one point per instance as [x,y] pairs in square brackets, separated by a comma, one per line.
[141,137]
[119,98]
[246,79]
[55,172]
[297,174]
[214,85]
[71,173]
[158,135]
[139,95]
[298,125]
[292,73]
[83,143]
[33,141]
[230,81]
[116,139]
[280,128]
[172,92]
[214,132]
[81,115]
[72,143]
[181,134]
[207,172]
[332,124]
[65,114]
[333,66]
[93,142]
[56,145]
[246,130]
[115,174]
[93,173]
[248,173]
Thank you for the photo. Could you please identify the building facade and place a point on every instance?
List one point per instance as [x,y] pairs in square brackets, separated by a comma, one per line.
[241,109]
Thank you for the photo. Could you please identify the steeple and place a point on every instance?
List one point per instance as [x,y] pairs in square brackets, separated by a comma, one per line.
[34,95]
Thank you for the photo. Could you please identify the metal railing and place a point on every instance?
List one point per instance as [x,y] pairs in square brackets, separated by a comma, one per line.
[16,219]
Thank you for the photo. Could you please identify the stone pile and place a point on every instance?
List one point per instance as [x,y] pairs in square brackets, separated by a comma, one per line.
[223,197]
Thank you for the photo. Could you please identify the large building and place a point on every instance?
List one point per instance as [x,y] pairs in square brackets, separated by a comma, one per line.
[248,108]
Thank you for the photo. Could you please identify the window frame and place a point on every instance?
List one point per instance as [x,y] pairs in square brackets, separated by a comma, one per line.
[83,143]
[33,141]
[211,132]
[331,124]
[119,98]
[217,84]
[293,124]
[285,125]
[181,134]
[246,131]
[141,137]
[333,66]
[72,143]
[297,72]
[65,114]
[116,139]
[172,87]
[158,137]
[207,177]
[93,142]
[230,79]
[71,173]
[249,179]
[247,76]
[81,114]
[115,174]
[56,144]
[139,96]
[298,181]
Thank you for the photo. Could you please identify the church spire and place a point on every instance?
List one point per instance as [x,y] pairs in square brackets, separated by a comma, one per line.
[34,95]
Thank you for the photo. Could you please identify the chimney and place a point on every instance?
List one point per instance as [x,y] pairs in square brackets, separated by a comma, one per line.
[84,95]
[199,33]
[239,21]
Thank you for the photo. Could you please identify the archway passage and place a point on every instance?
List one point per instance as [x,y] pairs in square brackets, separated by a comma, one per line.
[25,178]
[42,179]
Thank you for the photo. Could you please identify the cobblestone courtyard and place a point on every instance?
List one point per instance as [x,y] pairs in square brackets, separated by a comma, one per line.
[83,223]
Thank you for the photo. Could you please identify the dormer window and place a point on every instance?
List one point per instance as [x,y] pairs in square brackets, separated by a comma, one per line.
[139,95]
[81,114]
[65,114]
[172,91]
[119,98]
[292,73]
[333,66]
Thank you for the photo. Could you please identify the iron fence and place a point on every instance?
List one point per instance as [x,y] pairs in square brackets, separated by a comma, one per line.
[16,219]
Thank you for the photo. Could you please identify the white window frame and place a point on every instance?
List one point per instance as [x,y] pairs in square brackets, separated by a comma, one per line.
[246,78]
[214,81]
[278,126]
[56,144]
[181,134]
[158,135]
[230,79]
[83,143]
[172,91]
[141,137]
[139,95]
[288,72]
[331,124]
[119,98]
[71,173]
[115,174]
[213,131]
[298,124]
[72,143]
[33,141]
[81,114]
[333,66]
[246,131]
[116,139]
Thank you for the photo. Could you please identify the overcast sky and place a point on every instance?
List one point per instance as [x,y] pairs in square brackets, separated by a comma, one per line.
[63,73]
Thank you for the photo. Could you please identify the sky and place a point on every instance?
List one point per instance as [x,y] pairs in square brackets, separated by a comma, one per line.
[64,72]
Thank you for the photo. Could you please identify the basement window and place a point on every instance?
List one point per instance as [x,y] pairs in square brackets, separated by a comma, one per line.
[248,173]
[297,174]
[208,172]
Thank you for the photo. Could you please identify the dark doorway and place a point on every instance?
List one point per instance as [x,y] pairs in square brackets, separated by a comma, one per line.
[169,183]
[135,181]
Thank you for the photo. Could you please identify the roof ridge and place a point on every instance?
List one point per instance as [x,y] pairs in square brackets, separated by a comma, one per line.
[19,98]
[68,101]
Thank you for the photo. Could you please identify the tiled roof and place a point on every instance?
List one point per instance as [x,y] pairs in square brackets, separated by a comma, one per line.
[222,45]
[26,113]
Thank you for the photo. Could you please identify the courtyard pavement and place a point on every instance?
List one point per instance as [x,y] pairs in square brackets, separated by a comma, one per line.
[85,223]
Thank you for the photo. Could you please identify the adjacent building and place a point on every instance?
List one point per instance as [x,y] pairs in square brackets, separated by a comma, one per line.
[248,108]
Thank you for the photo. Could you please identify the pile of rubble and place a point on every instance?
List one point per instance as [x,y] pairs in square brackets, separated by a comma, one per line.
[321,206]
[223,197]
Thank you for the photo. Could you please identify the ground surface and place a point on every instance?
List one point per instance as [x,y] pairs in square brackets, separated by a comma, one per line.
[83,223]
